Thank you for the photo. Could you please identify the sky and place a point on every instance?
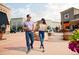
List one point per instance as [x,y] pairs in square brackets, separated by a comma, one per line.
[49,11]
[39,1]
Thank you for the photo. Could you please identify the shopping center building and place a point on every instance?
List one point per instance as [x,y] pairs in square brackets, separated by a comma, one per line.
[6,11]
[70,19]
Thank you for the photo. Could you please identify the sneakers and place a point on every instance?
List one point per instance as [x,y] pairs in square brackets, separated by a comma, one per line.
[31,46]
[42,47]
[43,50]
[27,51]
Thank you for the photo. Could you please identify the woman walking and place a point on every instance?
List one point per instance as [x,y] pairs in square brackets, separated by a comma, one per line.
[42,28]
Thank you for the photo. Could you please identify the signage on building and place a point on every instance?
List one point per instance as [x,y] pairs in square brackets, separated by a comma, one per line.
[66,17]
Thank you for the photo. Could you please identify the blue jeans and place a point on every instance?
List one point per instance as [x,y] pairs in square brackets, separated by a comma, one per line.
[29,39]
[41,35]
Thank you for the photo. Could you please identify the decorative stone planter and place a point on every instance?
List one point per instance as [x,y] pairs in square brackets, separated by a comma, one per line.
[49,34]
[66,35]
[1,35]
[36,36]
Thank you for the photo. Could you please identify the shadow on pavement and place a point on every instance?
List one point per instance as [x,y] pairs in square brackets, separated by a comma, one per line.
[16,48]
[38,49]
[23,49]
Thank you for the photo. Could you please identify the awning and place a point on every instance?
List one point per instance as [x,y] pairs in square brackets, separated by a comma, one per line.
[66,24]
[72,22]
[3,19]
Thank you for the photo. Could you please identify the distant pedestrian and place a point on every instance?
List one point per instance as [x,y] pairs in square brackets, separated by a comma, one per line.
[56,29]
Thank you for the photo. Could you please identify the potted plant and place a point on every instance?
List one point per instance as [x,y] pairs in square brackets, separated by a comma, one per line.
[77,48]
[49,31]
[74,41]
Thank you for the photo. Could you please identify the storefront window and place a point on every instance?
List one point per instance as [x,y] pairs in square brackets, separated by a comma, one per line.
[76,16]
[67,27]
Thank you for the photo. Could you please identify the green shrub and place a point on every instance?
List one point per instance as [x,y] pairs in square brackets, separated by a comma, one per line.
[74,36]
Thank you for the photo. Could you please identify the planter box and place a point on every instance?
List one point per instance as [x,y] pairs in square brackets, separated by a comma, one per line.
[66,35]
[49,34]
[36,36]
[1,35]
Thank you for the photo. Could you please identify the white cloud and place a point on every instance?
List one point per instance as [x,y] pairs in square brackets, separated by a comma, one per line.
[52,11]
[40,1]
[1,1]
[22,12]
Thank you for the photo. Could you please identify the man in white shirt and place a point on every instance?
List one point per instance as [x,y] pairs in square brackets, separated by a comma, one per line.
[28,26]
